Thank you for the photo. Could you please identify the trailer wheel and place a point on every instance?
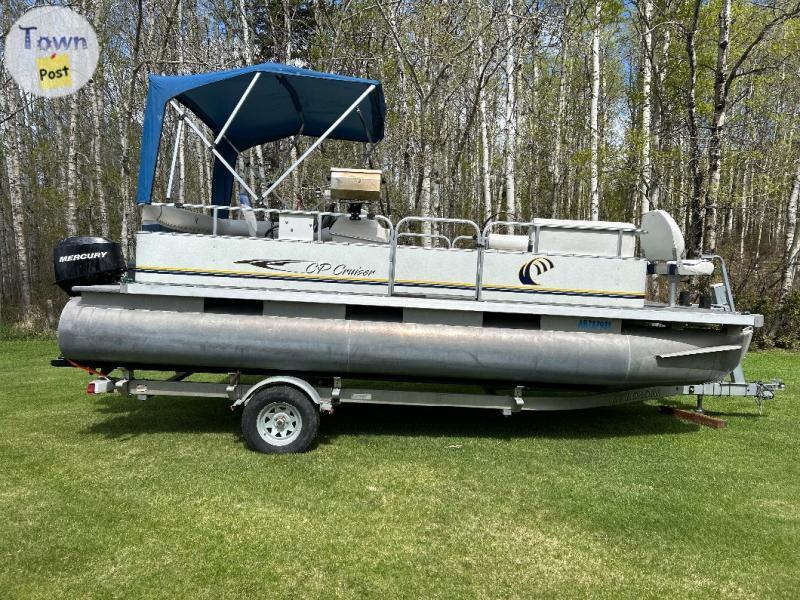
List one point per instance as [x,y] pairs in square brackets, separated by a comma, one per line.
[280,419]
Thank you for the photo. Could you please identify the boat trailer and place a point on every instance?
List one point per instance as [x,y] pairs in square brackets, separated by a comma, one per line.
[324,396]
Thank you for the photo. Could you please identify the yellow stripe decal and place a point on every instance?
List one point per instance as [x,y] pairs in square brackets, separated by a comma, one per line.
[261,274]
[405,282]
[500,287]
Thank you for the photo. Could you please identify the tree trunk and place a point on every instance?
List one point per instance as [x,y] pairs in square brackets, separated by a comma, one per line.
[128,204]
[204,166]
[247,52]
[594,206]
[791,237]
[294,193]
[179,41]
[425,199]
[647,80]
[717,128]
[99,198]
[727,221]
[745,208]
[510,115]
[658,119]
[556,158]
[72,183]
[791,248]
[486,174]
[695,245]
[761,208]
[12,143]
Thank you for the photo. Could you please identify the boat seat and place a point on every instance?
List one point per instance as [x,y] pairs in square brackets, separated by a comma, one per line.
[186,221]
[687,268]
[663,246]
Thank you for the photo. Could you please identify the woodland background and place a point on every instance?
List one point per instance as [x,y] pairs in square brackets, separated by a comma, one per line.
[508,108]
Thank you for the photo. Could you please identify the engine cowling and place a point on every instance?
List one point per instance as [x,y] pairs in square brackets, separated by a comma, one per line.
[87,261]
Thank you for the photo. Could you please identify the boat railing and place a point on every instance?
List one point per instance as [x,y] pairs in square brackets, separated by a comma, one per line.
[427,236]
[318,215]
[535,230]
[464,238]
[725,279]
[395,232]
[405,221]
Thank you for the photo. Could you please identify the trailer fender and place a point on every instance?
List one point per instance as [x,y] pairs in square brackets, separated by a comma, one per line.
[300,384]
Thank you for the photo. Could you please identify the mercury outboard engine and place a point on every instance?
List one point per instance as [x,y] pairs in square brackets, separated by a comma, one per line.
[87,261]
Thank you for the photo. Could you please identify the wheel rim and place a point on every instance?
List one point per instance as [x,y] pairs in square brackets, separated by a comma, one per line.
[279,423]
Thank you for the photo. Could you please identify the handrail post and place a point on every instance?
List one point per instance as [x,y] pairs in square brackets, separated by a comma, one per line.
[393,257]
[725,278]
[479,271]
[215,210]
[397,233]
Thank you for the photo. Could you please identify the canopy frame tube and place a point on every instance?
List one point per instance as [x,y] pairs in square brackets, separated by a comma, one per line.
[178,134]
[236,110]
[183,116]
[318,141]
[220,136]
[212,147]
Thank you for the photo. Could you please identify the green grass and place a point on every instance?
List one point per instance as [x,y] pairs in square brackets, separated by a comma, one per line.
[107,496]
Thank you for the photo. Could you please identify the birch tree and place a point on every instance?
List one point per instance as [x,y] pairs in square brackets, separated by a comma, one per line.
[696,175]
[97,161]
[594,132]
[646,7]
[660,68]
[12,149]
[128,215]
[486,175]
[561,106]
[791,245]
[723,82]
[71,183]
[510,115]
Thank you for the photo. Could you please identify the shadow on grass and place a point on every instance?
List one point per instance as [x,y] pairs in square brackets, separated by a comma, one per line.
[126,418]
[716,412]
[609,422]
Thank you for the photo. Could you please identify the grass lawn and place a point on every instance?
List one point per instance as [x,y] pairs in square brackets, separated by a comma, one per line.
[108,496]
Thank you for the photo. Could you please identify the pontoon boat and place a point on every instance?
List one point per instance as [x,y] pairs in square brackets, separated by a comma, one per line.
[313,300]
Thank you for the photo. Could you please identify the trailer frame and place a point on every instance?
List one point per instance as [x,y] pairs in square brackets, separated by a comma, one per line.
[331,392]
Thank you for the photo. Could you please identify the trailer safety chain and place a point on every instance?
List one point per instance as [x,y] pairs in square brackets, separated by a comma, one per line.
[760,397]
[87,369]
[766,391]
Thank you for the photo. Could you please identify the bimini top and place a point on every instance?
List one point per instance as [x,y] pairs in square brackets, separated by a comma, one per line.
[283,101]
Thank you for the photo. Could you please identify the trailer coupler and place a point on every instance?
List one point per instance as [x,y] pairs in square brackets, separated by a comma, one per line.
[760,391]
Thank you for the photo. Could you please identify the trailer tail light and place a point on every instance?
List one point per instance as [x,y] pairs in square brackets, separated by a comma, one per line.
[100,386]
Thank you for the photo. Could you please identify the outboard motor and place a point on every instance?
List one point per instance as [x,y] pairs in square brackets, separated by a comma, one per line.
[87,261]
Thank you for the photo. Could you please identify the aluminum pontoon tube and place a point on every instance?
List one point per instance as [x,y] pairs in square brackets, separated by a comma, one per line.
[341,347]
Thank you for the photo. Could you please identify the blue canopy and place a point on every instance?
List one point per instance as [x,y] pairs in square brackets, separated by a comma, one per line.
[285,101]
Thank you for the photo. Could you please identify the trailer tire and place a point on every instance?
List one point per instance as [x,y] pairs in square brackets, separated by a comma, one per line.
[280,419]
